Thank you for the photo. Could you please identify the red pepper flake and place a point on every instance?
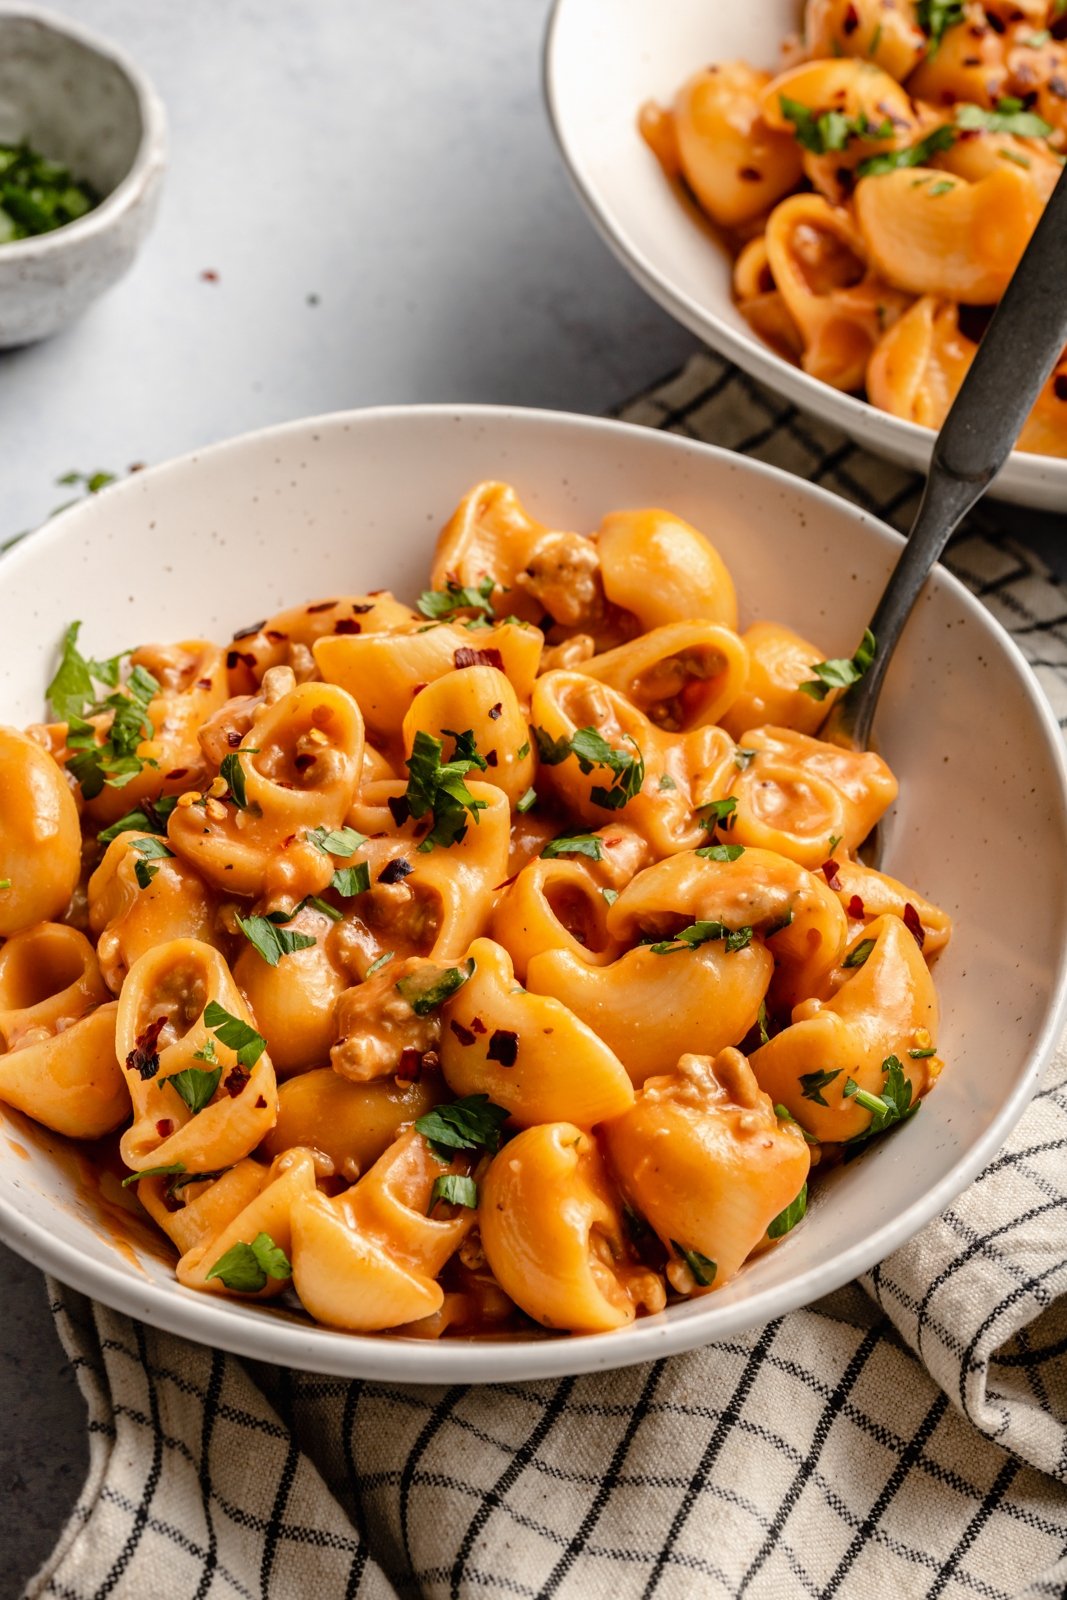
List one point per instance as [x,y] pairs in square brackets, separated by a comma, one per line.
[243,658]
[417,689]
[410,1064]
[395,871]
[547,622]
[466,657]
[136,466]
[246,633]
[855,907]
[164,1127]
[398,806]
[503,1047]
[609,844]
[144,1058]
[478,1025]
[495,711]
[303,762]
[203,683]
[348,625]
[830,870]
[913,924]
[749,174]
[261,1104]
[464,1035]
[851,21]
[506,883]
[997,24]
[322,605]
[275,637]
[233,739]
[178,772]
[209,275]
[235,1080]
[1059,386]
[491,758]
[1058,87]
[361,611]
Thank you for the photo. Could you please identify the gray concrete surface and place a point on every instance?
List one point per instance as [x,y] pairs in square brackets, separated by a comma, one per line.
[378,191]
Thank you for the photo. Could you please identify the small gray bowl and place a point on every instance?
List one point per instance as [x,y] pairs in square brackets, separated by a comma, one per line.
[80,101]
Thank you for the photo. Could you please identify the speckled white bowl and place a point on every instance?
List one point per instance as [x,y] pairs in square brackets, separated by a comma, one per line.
[603,59]
[206,544]
[78,100]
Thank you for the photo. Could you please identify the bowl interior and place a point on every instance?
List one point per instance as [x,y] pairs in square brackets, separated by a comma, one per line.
[208,544]
[644,52]
[72,102]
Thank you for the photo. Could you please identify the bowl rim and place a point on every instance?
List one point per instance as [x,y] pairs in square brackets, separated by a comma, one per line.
[247,1330]
[845,411]
[149,157]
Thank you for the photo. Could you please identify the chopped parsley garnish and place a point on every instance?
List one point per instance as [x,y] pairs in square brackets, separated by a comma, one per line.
[702,1267]
[812,1084]
[150,850]
[840,673]
[858,956]
[195,1085]
[591,749]
[337,841]
[527,801]
[699,933]
[786,1220]
[574,844]
[942,186]
[720,852]
[154,1172]
[666,781]
[442,604]
[347,881]
[245,1268]
[473,1123]
[610,895]
[718,813]
[523,751]
[742,757]
[913,155]
[233,775]
[761,1023]
[1009,117]
[1036,40]
[238,1036]
[5,883]
[424,991]
[382,961]
[72,687]
[271,941]
[456,1189]
[437,787]
[38,195]
[825,131]
[893,1105]
[922,1055]
[785,1115]
[935,17]
[114,759]
[150,817]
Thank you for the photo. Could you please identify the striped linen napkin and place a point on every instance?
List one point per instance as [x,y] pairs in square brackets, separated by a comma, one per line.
[906,1436]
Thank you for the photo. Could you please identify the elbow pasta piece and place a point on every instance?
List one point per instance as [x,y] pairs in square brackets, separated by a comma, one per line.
[968,64]
[649,1009]
[682,772]
[857,90]
[983,153]
[301,762]
[795,794]
[480,700]
[350,1124]
[867,895]
[127,920]
[286,640]
[384,672]
[552,1232]
[57,1037]
[779,661]
[291,1178]
[882,31]
[490,535]
[662,570]
[681,676]
[918,366]
[962,242]
[734,162]
[794,911]
[527,1052]
[367,1260]
[192,1213]
[40,837]
[294,1002]
[885,1006]
[159,1033]
[192,687]
[702,1157]
[760,302]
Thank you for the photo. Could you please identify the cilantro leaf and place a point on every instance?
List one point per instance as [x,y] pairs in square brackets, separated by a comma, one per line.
[233,774]
[150,817]
[698,933]
[591,749]
[236,1035]
[112,759]
[437,787]
[456,1189]
[271,941]
[825,131]
[702,1267]
[149,850]
[473,1123]
[840,673]
[786,1220]
[573,844]
[337,841]
[892,1106]
[720,852]
[913,155]
[195,1085]
[785,1115]
[858,956]
[425,990]
[610,895]
[153,1172]
[718,813]
[443,604]
[935,17]
[1009,117]
[349,881]
[813,1083]
[245,1268]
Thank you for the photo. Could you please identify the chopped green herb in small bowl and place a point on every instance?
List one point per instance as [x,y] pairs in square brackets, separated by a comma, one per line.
[38,195]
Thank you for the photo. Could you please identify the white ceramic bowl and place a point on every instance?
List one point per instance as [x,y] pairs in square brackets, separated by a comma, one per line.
[206,544]
[80,101]
[603,59]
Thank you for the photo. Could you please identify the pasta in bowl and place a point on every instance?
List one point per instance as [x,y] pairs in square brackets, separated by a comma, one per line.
[833,195]
[486,958]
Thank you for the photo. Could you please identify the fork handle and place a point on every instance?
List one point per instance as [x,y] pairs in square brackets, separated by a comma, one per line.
[1020,348]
